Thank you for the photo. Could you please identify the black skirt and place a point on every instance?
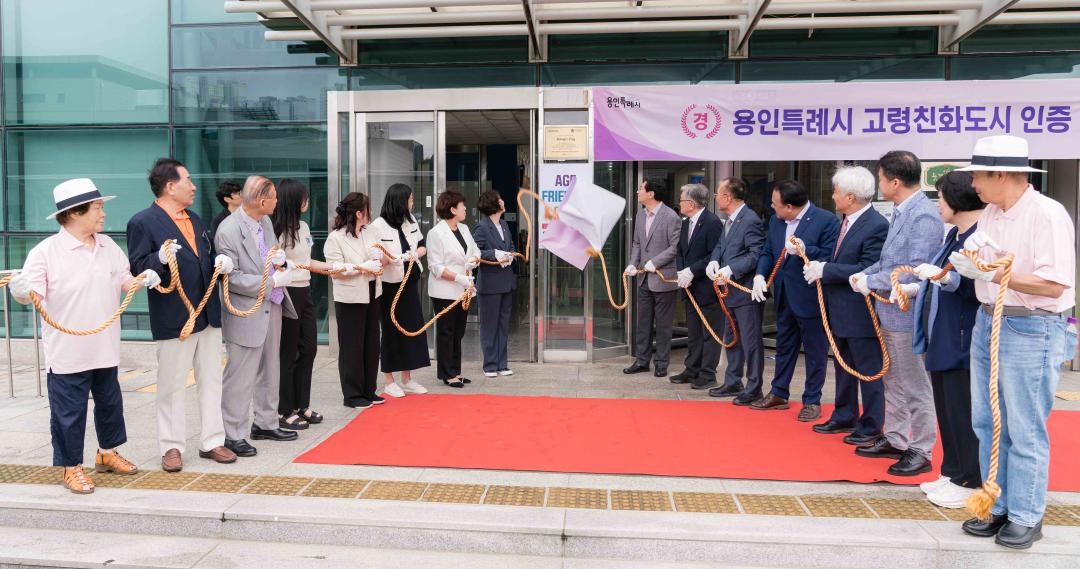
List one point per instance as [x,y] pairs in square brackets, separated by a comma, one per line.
[400,352]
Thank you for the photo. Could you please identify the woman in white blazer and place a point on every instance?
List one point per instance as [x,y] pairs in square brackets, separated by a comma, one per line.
[356,299]
[398,231]
[452,255]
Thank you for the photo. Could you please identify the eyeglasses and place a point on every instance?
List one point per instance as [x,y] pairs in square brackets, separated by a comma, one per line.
[681,201]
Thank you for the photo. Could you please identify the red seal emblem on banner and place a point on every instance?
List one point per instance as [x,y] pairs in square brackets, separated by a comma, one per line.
[705,122]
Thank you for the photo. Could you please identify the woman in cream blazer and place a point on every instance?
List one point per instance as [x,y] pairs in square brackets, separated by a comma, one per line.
[452,255]
[356,299]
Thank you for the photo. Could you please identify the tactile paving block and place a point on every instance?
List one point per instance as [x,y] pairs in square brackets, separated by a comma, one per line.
[164,480]
[335,488]
[590,498]
[1060,516]
[454,493]
[705,502]
[277,485]
[404,491]
[10,473]
[641,500]
[515,496]
[904,509]
[49,475]
[836,507]
[955,514]
[770,505]
[225,483]
[109,480]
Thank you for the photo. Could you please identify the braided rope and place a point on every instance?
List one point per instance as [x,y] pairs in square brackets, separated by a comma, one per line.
[607,283]
[705,321]
[464,300]
[550,213]
[227,301]
[136,284]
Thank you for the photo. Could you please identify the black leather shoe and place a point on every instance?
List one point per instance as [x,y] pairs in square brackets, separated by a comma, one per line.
[241,448]
[682,378]
[635,368]
[745,399]
[661,371]
[880,449]
[831,427]
[272,434]
[1017,536]
[726,390]
[910,464]
[990,528]
[861,440]
[707,385]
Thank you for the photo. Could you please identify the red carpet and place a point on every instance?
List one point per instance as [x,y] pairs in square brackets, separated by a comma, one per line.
[626,436]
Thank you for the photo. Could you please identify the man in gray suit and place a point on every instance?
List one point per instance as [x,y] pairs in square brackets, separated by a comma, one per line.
[253,342]
[656,236]
[735,259]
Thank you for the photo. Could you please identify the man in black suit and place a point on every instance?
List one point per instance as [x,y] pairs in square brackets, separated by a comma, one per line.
[862,235]
[735,259]
[700,232]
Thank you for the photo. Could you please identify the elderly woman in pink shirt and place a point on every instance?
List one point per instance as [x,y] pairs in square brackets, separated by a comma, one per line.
[79,274]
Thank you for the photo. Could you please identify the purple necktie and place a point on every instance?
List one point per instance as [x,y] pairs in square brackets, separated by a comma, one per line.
[276,294]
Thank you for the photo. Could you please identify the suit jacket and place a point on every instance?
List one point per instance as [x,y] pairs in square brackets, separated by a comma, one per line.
[236,240]
[493,279]
[818,229]
[948,344]
[146,231]
[659,246]
[739,249]
[343,247]
[861,247]
[696,253]
[445,252]
[389,237]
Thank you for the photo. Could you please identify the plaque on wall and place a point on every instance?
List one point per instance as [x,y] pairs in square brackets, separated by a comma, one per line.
[566,142]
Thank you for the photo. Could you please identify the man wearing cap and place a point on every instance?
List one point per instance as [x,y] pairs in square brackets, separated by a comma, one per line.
[79,274]
[168,219]
[1034,339]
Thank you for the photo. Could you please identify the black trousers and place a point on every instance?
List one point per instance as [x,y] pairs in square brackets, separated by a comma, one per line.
[358,349]
[449,330]
[959,445]
[69,394]
[703,353]
[863,354]
[299,343]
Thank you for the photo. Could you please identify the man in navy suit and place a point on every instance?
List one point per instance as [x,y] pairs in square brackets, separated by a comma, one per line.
[862,234]
[798,318]
[169,218]
[698,236]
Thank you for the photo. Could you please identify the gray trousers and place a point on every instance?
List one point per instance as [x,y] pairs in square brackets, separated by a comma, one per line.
[910,420]
[653,309]
[252,377]
[748,352]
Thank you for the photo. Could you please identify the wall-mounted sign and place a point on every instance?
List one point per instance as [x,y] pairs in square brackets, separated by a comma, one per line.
[932,171]
[566,142]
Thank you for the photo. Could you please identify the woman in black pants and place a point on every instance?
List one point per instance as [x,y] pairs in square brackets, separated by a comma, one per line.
[944,317]
[452,256]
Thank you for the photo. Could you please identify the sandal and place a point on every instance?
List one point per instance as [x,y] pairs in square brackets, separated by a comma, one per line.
[292,422]
[76,480]
[312,417]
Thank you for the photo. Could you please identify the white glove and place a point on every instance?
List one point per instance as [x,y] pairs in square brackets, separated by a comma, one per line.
[371,266]
[350,270]
[375,253]
[464,280]
[224,263]
[282,278]
[471,264]
[650,267]
[978,240]
[724,274]
[792,249]
[858,284]
[409,256]
[760,288]
[20,287]
[685,278]
[926,271]
[509,260]
[166,248]
[278,258]
[501,256]
[813,271]
[909,290]
[337,267]
[151,278]
[967,267]
[630,271]
[712,269]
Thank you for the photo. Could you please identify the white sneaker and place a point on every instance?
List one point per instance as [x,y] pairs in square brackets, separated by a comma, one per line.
[490,374]
[393,390]
[928,487]
[950,496]
[414,387]
[505,372]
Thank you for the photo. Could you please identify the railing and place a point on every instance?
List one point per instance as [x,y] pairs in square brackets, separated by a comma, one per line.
[7,342]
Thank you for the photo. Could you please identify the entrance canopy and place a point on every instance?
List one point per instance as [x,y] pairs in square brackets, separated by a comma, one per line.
[340,24]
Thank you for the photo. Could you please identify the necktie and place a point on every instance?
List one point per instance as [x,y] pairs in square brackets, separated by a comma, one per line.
[689,229]
[727,225]
[840,239]
[276,294]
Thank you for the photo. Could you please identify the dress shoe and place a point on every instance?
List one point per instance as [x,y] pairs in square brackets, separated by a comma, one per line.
[731,390]
[810,412]
[172,462]
[376,400]
[989,528]
[861,440]
[831,427]
[682,378]
[769,403]
[258,434]
[707,385]
[635,368]
[911,463]
[220,455]
[880,449]
[241,448]
[1017,536]
[746,399]
[660,371]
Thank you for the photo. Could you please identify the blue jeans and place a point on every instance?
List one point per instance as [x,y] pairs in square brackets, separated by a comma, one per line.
[1032,351]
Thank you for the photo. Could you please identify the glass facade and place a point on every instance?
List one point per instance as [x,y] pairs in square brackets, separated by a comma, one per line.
[82,96]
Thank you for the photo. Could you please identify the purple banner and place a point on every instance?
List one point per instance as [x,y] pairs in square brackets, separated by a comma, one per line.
[833,121]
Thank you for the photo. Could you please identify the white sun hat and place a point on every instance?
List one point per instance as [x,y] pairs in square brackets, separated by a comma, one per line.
[75,193]
[1001,153]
